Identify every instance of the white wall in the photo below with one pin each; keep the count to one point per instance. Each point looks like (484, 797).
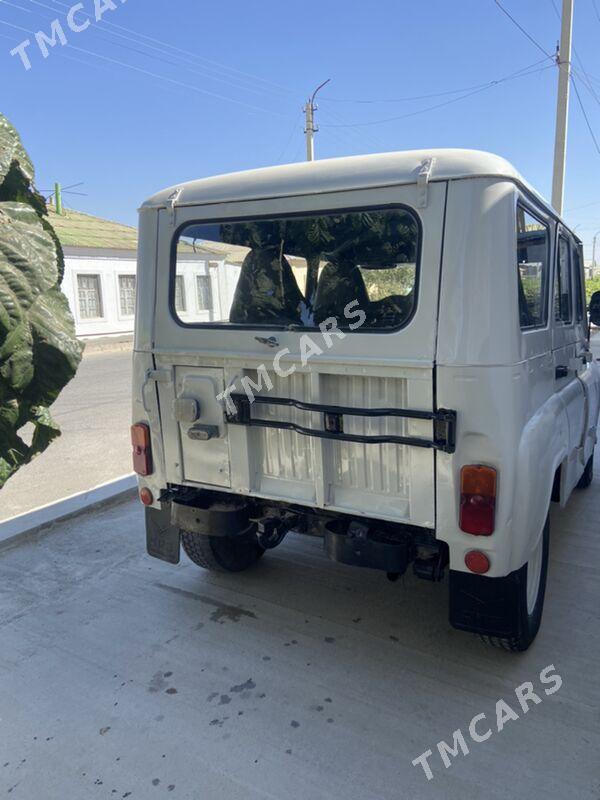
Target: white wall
(113, 322)
(108, 268)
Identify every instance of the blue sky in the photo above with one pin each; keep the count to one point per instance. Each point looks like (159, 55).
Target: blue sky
(216, 87)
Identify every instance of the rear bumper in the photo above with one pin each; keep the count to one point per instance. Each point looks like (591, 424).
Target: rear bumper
(375, 544)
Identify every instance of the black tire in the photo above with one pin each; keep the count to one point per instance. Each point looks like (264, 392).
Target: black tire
(588, 474)
(222, 553)
(526, 624)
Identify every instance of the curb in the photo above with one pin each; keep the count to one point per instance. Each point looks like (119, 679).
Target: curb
(31, 522)
(107, 344)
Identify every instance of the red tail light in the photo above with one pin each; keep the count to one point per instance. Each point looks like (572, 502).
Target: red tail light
(477, 500)
(142, 451)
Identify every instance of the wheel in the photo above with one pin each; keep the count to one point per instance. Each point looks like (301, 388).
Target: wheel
(588, 474)
(528, 587)
(222, 553)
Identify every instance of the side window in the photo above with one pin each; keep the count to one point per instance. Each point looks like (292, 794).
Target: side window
(533, 266)
(578, 283)
(562, 282)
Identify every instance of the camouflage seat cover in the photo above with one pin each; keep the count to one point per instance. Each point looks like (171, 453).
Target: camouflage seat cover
(266, 292)
(339, 284)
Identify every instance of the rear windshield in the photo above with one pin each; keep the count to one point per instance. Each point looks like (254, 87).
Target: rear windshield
(296, 271)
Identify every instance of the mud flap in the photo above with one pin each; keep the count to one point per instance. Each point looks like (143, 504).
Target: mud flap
(162, 538)
(488, 606)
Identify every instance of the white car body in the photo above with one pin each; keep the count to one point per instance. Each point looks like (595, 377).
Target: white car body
(463, 349)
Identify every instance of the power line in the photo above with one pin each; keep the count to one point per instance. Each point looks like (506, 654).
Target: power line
(288, 140)
(584, 112)
(585, 77)
(586, 205)
(188, 53)
(522, 29)
(520, 74)
(173, 81)
(426, 96)
(348, 136)
(180, 61)
(8, 3)
(587, 84)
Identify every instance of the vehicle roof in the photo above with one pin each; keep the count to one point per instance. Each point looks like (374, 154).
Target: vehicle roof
(339, 174)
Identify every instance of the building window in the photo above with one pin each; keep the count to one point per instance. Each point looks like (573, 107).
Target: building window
(89, 296)
(179, 293)
(533, 268)
(204, 292)
(127, 295)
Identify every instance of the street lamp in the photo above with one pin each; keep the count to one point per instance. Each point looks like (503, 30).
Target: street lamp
(594, 253)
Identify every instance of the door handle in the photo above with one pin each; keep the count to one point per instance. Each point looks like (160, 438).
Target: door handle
(561, 372)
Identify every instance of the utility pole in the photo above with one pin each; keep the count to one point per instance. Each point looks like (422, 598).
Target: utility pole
(310, 128)
(594, 253)
(58, 198)
(563, 59)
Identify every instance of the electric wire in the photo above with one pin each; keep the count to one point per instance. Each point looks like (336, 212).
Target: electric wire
(585, 115)
(512, 76)
(216, 64)
(289, 139)
(429, 96)
(180, 62)
(522, 29)
(585, 78)
(158, 76)
(8, 3)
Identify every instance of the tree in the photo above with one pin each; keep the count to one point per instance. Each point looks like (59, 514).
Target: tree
(39, 353)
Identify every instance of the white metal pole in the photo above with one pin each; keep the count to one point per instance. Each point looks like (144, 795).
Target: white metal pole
(562, 107)
(309, 130)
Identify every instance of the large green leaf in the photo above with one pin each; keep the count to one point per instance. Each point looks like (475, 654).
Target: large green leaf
(12, 151)
(39, 353)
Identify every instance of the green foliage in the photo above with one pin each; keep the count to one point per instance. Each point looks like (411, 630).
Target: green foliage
(382, 283)
(591, 285)
(39, 353)
(360, 237)
(375, 240)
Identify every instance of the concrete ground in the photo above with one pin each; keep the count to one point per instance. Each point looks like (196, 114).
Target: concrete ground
(94, 412)
(122, 676)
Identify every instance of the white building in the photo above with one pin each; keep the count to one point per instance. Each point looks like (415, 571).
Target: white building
(100, 274)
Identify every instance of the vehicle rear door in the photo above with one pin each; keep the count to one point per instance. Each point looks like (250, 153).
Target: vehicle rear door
(352, 428)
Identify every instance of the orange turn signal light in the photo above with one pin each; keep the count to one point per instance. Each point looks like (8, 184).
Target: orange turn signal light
(477, 499)
(141, 448)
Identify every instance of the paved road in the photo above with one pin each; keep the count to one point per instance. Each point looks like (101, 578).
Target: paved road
(121, 676)
(94, 413)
